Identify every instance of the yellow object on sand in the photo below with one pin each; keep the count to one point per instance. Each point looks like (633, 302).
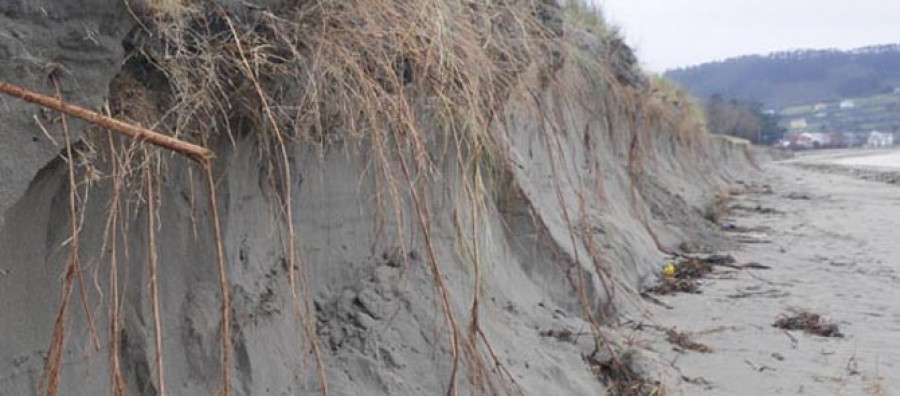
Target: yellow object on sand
(669, 270)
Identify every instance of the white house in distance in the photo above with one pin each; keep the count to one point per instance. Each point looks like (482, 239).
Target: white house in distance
(847, 104)
(799, 123)
(880, 139)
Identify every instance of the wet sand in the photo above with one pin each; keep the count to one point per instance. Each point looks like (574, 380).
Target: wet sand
(889, 160)
(834, 249)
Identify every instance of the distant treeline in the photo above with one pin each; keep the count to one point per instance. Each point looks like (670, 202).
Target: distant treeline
(792, 78)
(742, 119)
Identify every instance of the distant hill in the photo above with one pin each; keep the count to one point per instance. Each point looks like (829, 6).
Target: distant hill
(785, 79)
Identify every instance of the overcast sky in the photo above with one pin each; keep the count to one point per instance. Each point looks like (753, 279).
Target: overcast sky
(672, 33)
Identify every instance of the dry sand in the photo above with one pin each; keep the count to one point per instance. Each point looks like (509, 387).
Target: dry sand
(833, 250)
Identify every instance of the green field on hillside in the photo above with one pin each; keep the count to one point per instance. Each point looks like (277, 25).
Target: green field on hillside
(867, 114)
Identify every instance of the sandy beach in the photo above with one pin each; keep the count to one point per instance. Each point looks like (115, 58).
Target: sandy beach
(831, 242)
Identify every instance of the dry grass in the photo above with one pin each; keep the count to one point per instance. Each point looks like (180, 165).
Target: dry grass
(399, 79)
(169, 9)
(589, 16)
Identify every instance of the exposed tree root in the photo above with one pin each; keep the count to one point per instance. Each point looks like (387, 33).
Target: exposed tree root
(116, 380)
(292, 257)
(223, 280)
(53, 362)
(135, 132)
(154, 283)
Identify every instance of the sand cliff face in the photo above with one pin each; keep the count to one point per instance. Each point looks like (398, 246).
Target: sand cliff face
(575, 225)
(79, 40)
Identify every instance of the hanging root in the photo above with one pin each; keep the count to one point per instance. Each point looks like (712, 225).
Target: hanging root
(52, 365)
(370, 74)
(154, 281)
(223, 280)
(116, 380)
(53, 362)
(286, 183)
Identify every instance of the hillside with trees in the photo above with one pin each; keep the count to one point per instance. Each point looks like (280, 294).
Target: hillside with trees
(742, 119)
(785, 79)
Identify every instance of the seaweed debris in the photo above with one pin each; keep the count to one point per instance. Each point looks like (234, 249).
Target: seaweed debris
(810, 323)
